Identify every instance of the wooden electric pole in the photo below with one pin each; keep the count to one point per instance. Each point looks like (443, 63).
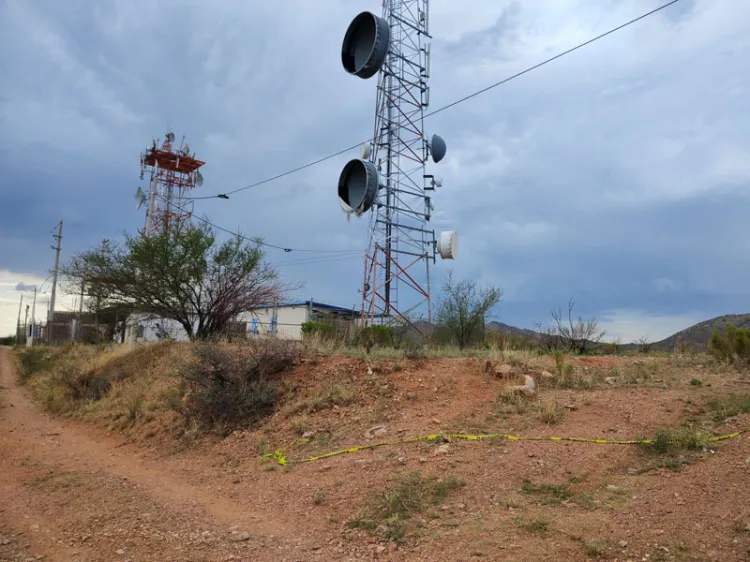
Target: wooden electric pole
(51, 312)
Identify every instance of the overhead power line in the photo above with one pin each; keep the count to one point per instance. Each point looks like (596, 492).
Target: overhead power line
(450, 105)
(259, 241)
(274, 246)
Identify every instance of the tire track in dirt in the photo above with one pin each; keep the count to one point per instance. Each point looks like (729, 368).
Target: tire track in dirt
(32, 444)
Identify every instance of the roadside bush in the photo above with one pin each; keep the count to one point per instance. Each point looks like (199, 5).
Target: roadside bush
(33, 360)
(83, 383)
(227, 387)
(8, 340)
(733, 347)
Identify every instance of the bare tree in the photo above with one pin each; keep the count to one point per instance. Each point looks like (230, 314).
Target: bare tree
(579, 335)
(549, 340)
(644, 346)
(464, 308)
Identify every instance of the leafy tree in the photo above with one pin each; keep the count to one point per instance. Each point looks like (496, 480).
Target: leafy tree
(184, 275)
(463, 309)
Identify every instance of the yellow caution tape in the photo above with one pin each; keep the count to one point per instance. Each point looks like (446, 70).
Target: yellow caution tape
(279, 455)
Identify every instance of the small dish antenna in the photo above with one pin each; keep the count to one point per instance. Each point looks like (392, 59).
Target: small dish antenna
(365, 45)
(198, 178)
(140, 198)
(447, 244)
(365, 150)
(170, 137)
(437, 148)
(358, 185)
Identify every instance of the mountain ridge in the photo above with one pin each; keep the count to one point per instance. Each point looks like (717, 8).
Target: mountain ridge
(696, 336)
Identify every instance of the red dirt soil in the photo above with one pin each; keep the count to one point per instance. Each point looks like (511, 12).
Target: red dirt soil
(74, 492)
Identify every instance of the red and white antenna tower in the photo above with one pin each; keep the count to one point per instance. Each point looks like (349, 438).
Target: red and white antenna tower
(173, 173)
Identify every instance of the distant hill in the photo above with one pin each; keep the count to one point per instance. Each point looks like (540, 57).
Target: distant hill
(511, 331)
(698, 335)
(506, 330)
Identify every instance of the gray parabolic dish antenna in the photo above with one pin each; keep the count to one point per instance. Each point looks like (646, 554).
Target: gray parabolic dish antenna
(140, 198)
(198, 179)
(437, 148)
(365, 45)
(358, 185)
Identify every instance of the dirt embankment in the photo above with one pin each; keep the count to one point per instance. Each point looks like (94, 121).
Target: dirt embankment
(73, 490)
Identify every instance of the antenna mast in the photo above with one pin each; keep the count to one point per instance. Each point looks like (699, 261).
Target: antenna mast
(391, 176)
(173, 174)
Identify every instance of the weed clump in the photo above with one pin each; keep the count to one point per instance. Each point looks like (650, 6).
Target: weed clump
(729, 406)
(227, 388)
(670, 440)
(552, 494)
(413, 493)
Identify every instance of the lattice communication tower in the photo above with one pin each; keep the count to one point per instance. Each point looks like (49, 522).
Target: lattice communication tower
(173, 174)
(390, 179)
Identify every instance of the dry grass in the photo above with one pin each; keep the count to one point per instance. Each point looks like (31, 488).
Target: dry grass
(118, 386)
(333, 393)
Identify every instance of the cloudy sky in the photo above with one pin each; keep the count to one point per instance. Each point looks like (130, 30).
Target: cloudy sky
(618, 174)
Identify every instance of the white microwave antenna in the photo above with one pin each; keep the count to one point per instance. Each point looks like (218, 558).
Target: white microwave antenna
(390, 180)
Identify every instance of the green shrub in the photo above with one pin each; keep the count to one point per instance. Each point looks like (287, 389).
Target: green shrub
(33, 360)
(8, 340)
(733, 347)
(383, 336)
(319, 329)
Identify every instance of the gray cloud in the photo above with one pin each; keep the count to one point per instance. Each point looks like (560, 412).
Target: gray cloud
(617, 174)
(24, 287)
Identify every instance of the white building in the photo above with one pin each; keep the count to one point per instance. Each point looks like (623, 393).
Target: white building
(147, 327)
(283, 320)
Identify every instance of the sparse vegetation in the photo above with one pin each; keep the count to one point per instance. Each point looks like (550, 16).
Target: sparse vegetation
(551, 412)
(392, 509)
(535, 526)
(330, 395)
(729, 406)
(551, 494)
(595, 548)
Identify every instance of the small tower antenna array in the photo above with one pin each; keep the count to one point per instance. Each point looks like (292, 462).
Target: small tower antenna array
(173, 174)
(390, 179)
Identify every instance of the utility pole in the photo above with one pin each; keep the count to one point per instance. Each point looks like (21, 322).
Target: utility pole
(18, 322)
(26, 326)
(51, 313)
(30, 341)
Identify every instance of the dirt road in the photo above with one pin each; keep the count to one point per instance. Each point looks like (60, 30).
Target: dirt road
(74, 493)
